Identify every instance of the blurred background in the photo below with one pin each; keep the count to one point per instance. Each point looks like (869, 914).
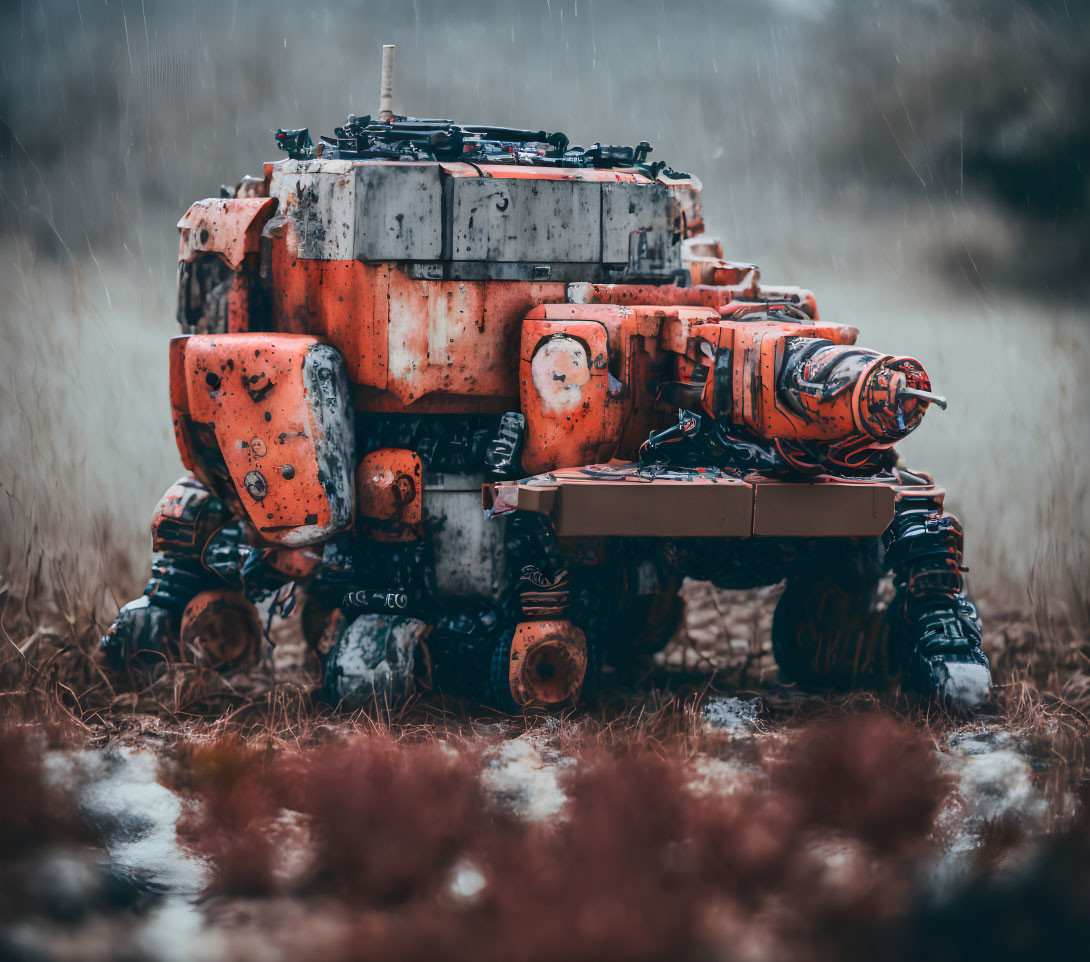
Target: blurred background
(920, 164)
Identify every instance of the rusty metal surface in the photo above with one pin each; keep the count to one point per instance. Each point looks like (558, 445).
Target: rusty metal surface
(389, 485)
(571, 415)
(470, 556)
(278, 407)
(648, 294)
(548, 662)
(517, 172)
(413, 340)
(526, 220)
(230, 228)
(453, 337)
(365, 210)
(633, 207)
(433, 287)
(220, 629)
(484, 214)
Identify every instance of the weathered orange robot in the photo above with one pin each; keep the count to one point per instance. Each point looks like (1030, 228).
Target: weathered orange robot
(412, 312)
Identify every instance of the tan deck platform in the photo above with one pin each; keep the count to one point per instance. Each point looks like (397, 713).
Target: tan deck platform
(617, 500)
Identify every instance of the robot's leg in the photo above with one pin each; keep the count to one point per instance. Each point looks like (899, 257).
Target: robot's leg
(479, 647)
(189, 607)
(541, 663)
(542, 657)
(827, 631)
(142, 634)
(372, 659)
(365, 615)
(931, 617)
(473, 646)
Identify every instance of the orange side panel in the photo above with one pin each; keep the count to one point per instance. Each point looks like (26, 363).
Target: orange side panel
(250, 388)
(390, 486)
(615, 412)
(411, 338)
(179, 402)
(634, 294)
(346, 301)
(564, 389)
(758, 352)
(230, 228)
(457, 337)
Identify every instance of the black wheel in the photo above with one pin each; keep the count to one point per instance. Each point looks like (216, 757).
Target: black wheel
(142, 635)
(628, 607)
(827, 631)
(499, 686)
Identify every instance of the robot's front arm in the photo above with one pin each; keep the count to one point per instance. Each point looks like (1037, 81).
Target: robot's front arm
(795, 383)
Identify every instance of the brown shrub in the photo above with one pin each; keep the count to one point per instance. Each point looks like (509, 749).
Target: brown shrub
(33, 813)
(389, 820)
(232, 805)
(867, 776)
(813, 858)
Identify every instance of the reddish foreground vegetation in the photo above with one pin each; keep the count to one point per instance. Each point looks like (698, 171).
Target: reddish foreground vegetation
(373, 846)
(374, 836)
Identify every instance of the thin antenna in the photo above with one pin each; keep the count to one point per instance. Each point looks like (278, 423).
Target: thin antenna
(386, 91)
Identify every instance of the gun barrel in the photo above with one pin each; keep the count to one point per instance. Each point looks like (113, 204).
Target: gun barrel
(928, 396)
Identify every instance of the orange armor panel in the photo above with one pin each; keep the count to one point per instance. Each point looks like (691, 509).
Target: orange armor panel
(390, 489)
(279, 408)
(572, 416)
(413, 339)
(230, 228)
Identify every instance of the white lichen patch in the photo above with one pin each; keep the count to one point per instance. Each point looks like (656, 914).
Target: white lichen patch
(121, 796)
(734, 716)
(466, 881)
(122, 799)
(994, 779)
(721, 776)
(521, 776)
(993, 784)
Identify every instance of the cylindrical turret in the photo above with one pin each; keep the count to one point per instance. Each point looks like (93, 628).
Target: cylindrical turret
(794, 384)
